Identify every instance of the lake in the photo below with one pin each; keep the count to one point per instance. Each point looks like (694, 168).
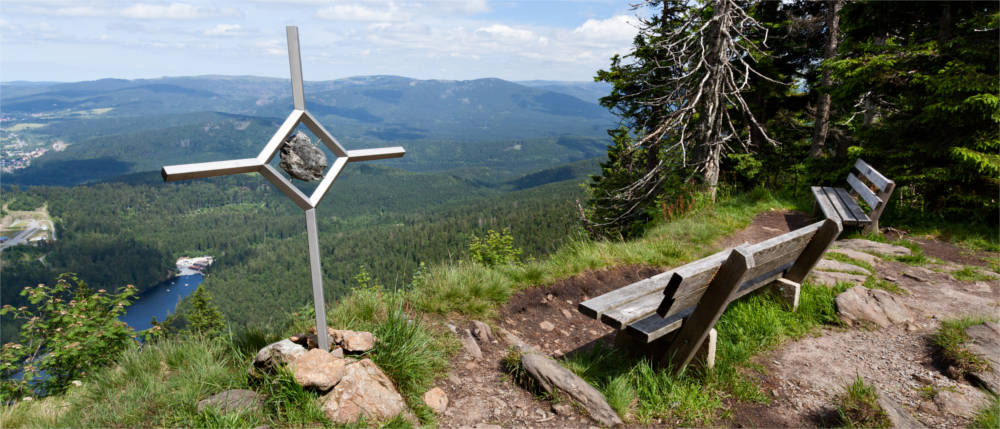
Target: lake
(160, 301)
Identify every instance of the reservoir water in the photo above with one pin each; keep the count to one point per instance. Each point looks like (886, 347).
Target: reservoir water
(160, 301)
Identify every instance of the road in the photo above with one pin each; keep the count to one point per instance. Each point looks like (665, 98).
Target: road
(20, 238)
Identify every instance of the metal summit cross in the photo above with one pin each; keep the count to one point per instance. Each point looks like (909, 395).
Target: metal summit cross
(261, 164)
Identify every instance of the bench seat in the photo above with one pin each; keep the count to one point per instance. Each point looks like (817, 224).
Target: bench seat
(836, 203)
(645, 312)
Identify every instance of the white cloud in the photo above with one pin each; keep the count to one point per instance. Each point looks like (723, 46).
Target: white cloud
(171, 11)
(507, 33)
(354, 12)
(615, 29)
(223, 30)
(468, 6)
(80, 11)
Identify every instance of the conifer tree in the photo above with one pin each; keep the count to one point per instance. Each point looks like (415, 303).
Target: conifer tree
(204, 317)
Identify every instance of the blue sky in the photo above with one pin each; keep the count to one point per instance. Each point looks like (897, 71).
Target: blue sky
(64, 40)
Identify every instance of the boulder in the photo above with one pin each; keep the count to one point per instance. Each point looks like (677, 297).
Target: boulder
(236, 400)
(857, 255)
(301, 159)
(436, 399)
(470, 346)
(859, 304)
(318, 369)
(830, 279)
(352, 341)
(363, 391)
(956, 404)
(834, 265)
(281, 352)
(898, 416)
(862, 245)
(984, 341)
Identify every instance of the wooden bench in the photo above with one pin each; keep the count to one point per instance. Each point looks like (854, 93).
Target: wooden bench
(839, 204)
(668, 316)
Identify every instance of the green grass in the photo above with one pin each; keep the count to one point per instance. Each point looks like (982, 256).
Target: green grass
(858, 407)
(950, 340)
(971, 274)
(988, 417)
(475, 291)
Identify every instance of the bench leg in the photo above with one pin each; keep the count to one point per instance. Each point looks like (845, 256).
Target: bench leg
(707, 352)
(789, 292)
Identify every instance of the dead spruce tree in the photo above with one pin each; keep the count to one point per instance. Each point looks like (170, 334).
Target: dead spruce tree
(679, 94)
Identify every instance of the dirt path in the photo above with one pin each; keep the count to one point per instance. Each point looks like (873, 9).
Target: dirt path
(802, 377)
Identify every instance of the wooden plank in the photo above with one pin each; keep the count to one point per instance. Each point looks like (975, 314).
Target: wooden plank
(597, 306)
(853, 206)
(824, 204)
(762, 279)
(694, 330)
(620, 316)
(690, 279)
(881, 182)
(863, 191)
(778, 247)
(654, 327)
(813, 251)
(845, 215)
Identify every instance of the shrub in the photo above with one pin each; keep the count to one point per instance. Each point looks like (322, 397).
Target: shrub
(68, 330)
(496, 248)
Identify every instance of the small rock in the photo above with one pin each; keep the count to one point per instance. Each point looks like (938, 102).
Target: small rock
(915, 277)
(318, 369)
(436, 399)
(365, 391)
(857, 255)
(337, 352)
(928, 407)
(833, 265)
(452, 328)
(955, 404)
(278, 353)
(567, 314)
(232, 401)
(352, 341)
(546, 326)
(562, 409)
(482, 331)
(301, 159)
(862, 245)
(470, 346)
(830, 279)
(984, 341)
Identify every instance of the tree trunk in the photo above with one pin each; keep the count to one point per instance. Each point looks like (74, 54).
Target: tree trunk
(821, 128)
(713, 113)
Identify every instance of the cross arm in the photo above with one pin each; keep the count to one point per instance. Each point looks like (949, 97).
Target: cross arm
(371, 154)
(201, 170)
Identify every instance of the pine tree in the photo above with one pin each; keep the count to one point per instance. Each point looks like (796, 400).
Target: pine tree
(204, 317)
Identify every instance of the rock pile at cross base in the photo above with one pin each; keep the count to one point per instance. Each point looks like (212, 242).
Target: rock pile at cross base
(352, 388)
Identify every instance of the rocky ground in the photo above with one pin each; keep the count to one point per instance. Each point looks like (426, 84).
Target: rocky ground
(891, 350)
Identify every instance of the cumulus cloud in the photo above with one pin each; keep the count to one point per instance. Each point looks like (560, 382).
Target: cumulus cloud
(507, 33)
(171, 11)
(223, 30)
(615, 29)
(355, 12)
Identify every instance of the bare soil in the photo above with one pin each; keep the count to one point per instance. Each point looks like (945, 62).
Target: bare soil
(802, 377)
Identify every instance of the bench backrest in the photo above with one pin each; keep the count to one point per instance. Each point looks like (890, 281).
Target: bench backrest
(877, 197)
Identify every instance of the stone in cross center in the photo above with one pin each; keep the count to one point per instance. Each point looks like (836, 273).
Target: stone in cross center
(261, 164)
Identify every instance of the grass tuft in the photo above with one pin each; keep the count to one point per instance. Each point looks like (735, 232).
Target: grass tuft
(950, 341)
(971, 274)
(988, 417)
(858, 407)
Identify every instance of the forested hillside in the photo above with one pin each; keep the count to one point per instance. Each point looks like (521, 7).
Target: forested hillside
(390, 221)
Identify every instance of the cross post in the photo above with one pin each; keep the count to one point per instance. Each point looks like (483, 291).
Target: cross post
(261, 164)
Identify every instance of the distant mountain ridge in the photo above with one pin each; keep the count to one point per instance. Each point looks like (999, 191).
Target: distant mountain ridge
(118, 126)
